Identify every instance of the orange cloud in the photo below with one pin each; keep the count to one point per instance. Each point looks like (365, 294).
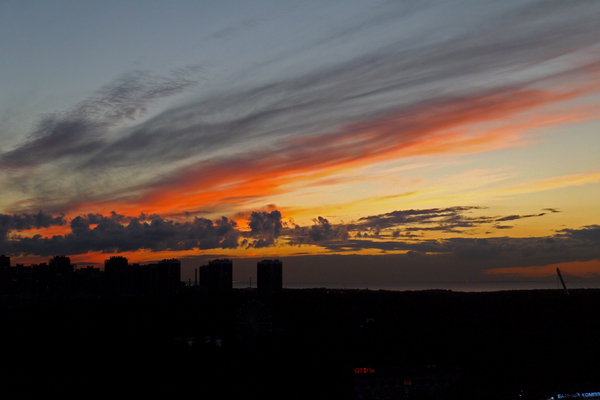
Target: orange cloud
(427, 130)
(55, 230)
(552, 183)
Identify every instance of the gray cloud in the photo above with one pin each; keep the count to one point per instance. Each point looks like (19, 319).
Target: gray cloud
(552, 210)
(589, 233)
(577, 245)
(408, 222)
(232, 31)
(443, 218)
(515, 217)
(109, 235)
(82, 130)
(265, 228)
(566, 245)
(320, 232)
(19, 222)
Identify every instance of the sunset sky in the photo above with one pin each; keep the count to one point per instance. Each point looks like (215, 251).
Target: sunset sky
(358, 141)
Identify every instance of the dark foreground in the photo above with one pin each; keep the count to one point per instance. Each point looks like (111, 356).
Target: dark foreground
(304, 344)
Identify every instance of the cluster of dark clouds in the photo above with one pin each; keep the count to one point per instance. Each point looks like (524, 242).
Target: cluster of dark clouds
(117, 233)
(401, 231)
(413, 223)
(20, 222)
(265, 228)
(322, 231)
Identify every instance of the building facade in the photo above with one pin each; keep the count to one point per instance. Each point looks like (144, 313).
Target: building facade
(217, 275)
(269, 274)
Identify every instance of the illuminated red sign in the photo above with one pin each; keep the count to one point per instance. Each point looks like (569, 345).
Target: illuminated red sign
(363, 370)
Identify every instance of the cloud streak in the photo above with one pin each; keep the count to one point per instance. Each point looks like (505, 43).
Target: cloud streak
(422, 130)
(404, 97)
(82, 130)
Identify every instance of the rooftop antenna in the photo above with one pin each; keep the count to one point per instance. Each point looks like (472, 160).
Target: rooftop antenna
(562, 281)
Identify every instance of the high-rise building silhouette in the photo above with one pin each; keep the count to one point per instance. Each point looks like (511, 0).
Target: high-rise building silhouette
(115, 265)
(60, 275)
(269, 275)
(61, 263)
(5, 273)
(123, 278)
(217, 275)
(118, 275)
(88, 281)
(169, 276)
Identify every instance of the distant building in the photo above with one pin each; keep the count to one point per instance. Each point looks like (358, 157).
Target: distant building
(143, 278)
(269, 276)
(217, 275)
(61, 264)
(118, 275)
(168, 276)
(88, 272)
(115, 265)
(5, 274)
(135, 279)
(88, 281)
(60, 275)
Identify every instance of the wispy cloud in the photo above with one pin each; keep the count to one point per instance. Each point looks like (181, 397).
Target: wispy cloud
(428, 129)
(416, 94)
(83, 129)
(551, 183)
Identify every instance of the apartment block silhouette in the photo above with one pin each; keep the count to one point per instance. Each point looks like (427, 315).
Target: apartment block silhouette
(269, 276)
(217, 275)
